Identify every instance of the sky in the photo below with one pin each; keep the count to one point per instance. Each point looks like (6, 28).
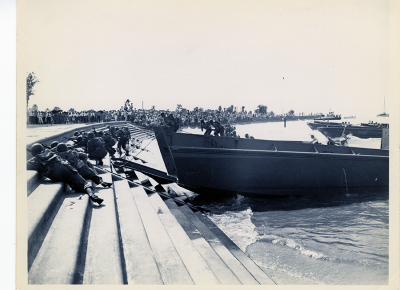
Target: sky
(306, 56)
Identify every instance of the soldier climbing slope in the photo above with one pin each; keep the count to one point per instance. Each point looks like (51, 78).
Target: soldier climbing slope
(96, 149)
(59, 170)
(109, 142)
(123, 141)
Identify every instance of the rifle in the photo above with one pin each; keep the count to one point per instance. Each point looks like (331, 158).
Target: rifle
(76, 142)
(45, 146)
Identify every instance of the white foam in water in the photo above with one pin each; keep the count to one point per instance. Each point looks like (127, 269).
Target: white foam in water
(238, 227)
(291, 244)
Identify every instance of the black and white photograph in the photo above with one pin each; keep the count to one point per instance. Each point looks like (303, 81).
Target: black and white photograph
(208, 143)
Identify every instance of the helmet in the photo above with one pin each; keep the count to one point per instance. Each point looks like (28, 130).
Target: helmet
(91, 135)
(62, 147)
(76, 133)
(37, 148)
(54, 144)
(79, 139)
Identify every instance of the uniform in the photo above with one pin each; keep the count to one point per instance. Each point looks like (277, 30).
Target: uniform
(109, 142)
(219, 129)
(59, 170)
(51, 166)
(207, 126)
(95, 148)
(124, 136)
(79, 162)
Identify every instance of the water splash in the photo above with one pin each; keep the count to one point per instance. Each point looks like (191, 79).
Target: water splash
(291, 244)
(238, 227)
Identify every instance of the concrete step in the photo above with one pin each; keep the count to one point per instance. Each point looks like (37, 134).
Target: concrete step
(138, 134)
(218, 267)
(257, 273)
(41, 203)
(58, 259)
(33, 180)
(103, 263)
(170, 265)
(194, 262)
(236, 267)
(141, 267)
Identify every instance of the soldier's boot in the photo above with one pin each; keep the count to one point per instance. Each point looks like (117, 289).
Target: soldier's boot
(104, 183)
(93, 197)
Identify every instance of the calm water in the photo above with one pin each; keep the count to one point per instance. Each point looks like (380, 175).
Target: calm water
(338, 239)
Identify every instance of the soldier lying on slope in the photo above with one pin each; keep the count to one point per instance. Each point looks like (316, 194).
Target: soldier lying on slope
(58, 170)
(79, 162)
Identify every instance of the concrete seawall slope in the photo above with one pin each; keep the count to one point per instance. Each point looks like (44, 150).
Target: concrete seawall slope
(134, 237)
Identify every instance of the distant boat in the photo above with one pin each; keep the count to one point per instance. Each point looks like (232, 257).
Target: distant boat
(330, 116)
(349, 117)
(384, 110)
(363, 132)
(325, 123)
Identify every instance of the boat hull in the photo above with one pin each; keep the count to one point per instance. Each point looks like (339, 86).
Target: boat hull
(360, 132)
(327, 118)
(317, 124)
(224, 164)
(277, 173)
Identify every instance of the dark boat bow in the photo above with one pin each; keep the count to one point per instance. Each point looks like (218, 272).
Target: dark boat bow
(269, 167)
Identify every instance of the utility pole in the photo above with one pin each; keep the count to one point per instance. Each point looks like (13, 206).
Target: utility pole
(142, 105)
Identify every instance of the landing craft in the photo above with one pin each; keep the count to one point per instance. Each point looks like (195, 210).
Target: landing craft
(268, 167)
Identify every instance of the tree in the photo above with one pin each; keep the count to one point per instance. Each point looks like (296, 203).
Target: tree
(230, 109)
(291, 112)
(219, 108)
(262, 109)
(56, 110)
(178, 107)
(243, 108)
(31, 80)
(271, 113)
(153, 107)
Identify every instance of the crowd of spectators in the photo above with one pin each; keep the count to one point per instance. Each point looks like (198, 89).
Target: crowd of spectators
(152, 117)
